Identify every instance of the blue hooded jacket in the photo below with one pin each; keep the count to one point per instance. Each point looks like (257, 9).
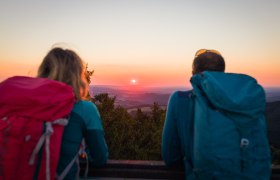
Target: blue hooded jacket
(240, 99)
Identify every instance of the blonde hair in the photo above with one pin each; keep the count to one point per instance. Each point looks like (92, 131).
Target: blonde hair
(65, 66)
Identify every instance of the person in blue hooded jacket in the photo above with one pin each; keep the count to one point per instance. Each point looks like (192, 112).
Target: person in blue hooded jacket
(237, 104)
(178, 127)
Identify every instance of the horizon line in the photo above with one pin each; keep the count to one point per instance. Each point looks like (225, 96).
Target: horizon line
(163, 86)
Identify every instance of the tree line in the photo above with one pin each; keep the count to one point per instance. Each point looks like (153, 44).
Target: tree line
(135, 137)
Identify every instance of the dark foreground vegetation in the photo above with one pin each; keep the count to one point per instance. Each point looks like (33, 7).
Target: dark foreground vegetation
(134, 137)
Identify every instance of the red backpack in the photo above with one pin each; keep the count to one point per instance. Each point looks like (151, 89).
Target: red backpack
(33, 113)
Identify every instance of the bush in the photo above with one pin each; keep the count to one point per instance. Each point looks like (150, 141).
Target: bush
(275, 156)
(135, 137)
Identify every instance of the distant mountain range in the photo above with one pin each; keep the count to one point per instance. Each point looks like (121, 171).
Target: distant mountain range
(272, 94)
(145, 98)
(132, 99)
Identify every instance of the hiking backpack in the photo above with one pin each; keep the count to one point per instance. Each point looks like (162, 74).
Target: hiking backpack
(33, 113)
(230, 140)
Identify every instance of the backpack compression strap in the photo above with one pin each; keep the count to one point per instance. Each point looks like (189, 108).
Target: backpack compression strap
(81, 152)
(46, 138)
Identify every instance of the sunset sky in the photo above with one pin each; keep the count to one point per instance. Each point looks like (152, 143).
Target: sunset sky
(149, 41)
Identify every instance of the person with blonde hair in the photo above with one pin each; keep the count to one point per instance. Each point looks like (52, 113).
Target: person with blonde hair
(84, 122)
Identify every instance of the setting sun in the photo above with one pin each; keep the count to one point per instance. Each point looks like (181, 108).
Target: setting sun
(133, 81)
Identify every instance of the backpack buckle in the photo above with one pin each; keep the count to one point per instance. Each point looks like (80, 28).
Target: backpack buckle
(244, 142)
(5, 118)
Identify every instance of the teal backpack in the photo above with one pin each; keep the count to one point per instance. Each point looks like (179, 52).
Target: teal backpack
(230, 138)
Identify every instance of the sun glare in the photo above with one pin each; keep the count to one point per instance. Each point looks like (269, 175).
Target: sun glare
(133, 81)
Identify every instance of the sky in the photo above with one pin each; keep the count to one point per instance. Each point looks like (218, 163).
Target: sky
(142, 42)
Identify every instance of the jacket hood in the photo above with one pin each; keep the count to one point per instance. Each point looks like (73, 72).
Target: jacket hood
(232, 93)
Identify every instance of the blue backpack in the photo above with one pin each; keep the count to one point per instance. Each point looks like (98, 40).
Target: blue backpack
(230, 138)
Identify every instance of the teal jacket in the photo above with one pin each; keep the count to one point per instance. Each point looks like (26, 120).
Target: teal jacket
(84, 123)
(178, 131)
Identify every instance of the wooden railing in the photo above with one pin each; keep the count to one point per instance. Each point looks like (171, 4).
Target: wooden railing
(124, 169)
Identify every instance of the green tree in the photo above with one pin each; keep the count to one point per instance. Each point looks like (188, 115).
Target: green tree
(157, 120)
(275, 156)
(117, 123)
(130, 137)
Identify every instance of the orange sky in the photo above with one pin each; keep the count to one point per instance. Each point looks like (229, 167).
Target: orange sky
(152, 74)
